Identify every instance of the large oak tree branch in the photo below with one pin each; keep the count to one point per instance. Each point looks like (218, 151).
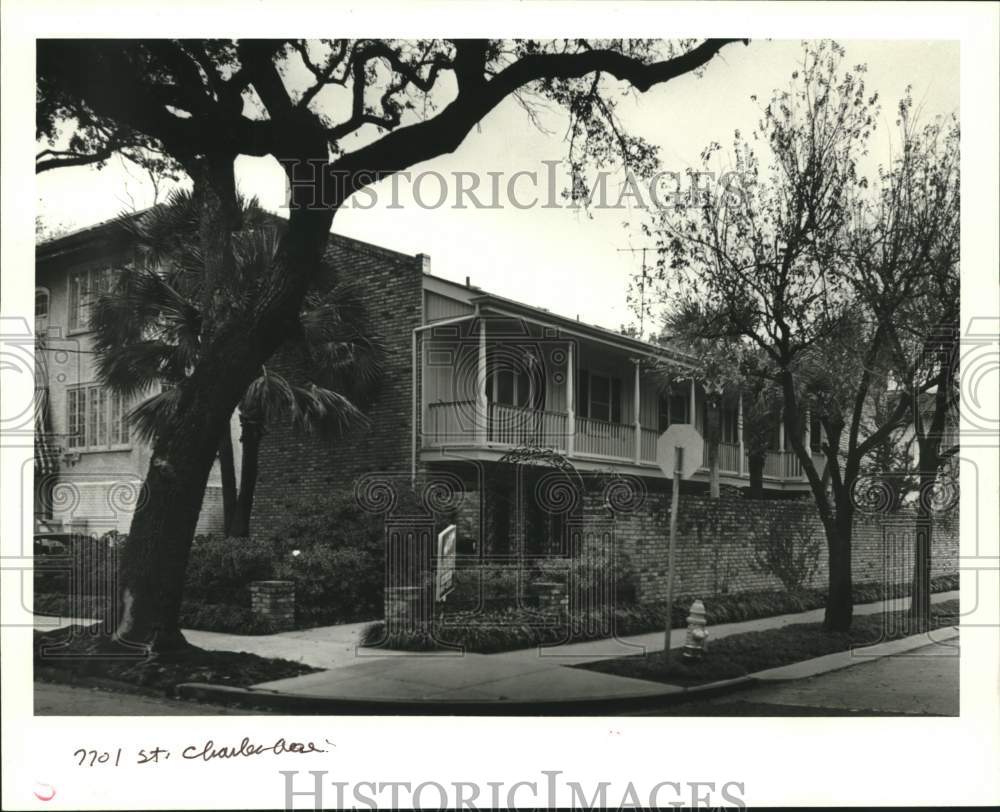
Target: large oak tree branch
(445, 132)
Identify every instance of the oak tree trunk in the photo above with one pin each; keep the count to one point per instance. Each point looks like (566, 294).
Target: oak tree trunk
(154, 560)
(840, 601)
(920, 597)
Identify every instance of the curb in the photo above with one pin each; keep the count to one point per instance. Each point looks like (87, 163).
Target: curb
(592, 706)
(62, 676)
(583, 706)
(844, 659)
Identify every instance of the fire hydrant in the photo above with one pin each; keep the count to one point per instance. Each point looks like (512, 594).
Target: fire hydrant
(696, 643)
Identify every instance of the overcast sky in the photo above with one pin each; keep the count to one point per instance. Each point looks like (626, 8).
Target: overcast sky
(559, 259)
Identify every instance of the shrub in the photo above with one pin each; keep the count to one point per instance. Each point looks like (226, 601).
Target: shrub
(227, 618)
(586, 578)
(58, 604)
(339, 568)
(220, 569)
(508, 586)
(513, 628)
(786, 547)
(334, 585)
(492, 586)
(330, 549)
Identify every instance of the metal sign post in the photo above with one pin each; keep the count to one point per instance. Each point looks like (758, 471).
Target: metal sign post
(671, 550)
(679, 453)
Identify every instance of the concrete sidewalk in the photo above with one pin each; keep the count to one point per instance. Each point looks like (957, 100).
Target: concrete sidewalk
(538, 675)
(592, 650)
(464, 678)
(338, 647)
(323, 647)
(356, 679)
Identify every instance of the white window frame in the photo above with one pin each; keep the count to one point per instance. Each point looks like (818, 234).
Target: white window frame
(82, 285)
(96, 419)
(42, 319)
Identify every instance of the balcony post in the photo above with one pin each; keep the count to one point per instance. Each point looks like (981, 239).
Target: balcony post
(570, 398)
(425, 426)
(638, 426)
(693, 410)
(481, 412)
(739, 432)
(809, 448)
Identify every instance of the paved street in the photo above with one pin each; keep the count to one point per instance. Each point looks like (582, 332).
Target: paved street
(924, 681)
(67, 700)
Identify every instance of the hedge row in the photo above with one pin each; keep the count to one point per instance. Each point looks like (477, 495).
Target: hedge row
(515, 628)
(332, 550)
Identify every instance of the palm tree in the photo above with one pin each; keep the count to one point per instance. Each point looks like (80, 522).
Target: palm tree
(149, 331)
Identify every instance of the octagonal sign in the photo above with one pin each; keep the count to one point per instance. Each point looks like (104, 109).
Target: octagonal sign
(687, 437)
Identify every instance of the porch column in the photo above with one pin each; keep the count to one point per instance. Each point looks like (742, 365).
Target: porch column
(693, 410)
(781, 433)
(739, 432)
(808, 439)
(481, 412)
(638, 425)
(570, 398)
(424, 416)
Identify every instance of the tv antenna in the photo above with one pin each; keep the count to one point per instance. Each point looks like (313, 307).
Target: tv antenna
(642, 283)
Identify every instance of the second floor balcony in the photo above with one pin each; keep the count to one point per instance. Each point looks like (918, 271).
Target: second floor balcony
(490, 386)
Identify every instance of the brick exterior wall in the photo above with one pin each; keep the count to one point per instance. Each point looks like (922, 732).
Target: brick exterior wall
(721, 544)
(295, 465)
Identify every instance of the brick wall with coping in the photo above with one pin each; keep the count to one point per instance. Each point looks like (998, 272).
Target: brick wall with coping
(720, 542)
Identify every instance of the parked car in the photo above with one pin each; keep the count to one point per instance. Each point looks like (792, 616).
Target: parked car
(54, 543)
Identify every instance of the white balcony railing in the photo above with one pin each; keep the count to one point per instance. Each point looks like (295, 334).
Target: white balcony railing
(650, 437)
(516, 426)
(597, 438)
(729, 458)
(456, 423)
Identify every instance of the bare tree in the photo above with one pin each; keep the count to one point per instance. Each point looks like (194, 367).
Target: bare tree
(901, 256)
(760, 258)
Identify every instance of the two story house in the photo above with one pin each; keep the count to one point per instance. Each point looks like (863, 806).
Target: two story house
(474, 382)
(470, 381)
(89, 467)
